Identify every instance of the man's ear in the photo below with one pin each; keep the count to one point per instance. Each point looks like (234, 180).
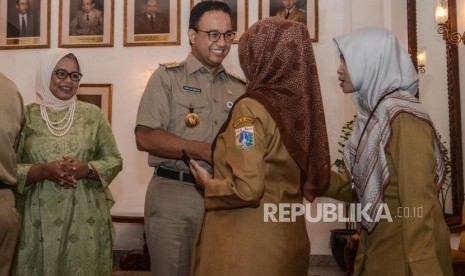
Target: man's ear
(192, 35)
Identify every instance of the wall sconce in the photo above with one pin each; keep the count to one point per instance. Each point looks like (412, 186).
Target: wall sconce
(441, 15)
(421, 59)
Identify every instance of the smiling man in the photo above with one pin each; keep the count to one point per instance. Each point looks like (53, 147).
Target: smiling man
(183, 107)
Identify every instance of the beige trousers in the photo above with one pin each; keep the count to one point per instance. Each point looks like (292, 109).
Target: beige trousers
(9, 230)
(173, 213)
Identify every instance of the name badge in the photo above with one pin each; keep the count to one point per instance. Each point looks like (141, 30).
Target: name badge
(191, 89)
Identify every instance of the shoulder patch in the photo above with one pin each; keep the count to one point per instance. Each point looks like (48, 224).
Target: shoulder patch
(243, 120)
(245, 137)
(171, 64)
(236, 77)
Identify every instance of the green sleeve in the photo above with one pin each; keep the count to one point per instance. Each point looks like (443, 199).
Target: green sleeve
(22, 164)
(107, 160)
(22, 169)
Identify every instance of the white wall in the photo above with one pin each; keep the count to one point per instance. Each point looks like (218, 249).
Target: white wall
(128, 69)
(433, 82)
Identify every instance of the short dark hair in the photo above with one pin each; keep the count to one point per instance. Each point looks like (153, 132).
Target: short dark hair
(17, 2)
(203, 7)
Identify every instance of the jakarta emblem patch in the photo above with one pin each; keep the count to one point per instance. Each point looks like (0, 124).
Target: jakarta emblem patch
(244, 137)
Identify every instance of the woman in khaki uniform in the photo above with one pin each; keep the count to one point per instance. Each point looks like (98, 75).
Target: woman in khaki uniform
(272, 150)
(394, 158)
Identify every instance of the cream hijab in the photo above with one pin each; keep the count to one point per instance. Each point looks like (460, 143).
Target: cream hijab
(378, 65)
(44, 96)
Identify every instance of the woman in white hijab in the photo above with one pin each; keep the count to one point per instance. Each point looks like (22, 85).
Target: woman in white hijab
(393, 161)
(67, 157)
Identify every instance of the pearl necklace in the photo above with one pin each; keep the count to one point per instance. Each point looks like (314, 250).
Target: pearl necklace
(54, 127)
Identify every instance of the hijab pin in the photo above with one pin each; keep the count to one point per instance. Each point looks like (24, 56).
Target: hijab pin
(229, 92)
(229, 104)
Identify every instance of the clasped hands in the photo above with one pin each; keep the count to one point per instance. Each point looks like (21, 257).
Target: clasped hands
(66, 172)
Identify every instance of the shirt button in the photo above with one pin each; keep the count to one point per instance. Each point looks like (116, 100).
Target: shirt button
(215, 101)
(216, 122)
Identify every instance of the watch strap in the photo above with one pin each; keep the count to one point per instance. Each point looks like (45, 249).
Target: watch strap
(91, 172)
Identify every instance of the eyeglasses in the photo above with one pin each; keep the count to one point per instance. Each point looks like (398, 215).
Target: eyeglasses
(214, 36)
(63, 74)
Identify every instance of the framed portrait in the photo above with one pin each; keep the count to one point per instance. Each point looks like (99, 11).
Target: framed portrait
(86, 23)
(98, 94)
(151, 22)
(24, 24)
(239, 15)
(298, 10)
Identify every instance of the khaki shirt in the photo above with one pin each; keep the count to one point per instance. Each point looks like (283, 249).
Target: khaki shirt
(11, 114)
(176, 89)
(87, 23)
(252, 168)
(415, 242)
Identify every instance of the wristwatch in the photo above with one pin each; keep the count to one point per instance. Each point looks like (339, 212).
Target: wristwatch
(91, 172)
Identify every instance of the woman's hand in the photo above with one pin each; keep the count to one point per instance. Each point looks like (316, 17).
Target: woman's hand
(75, 167)
(55, 171)
(65, 172)
(200, 174)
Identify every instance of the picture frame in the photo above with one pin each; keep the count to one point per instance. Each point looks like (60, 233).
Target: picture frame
(82, 24)
(140, 29)
(36, 34)
(308, 10)
(98, 94)
(239, 15)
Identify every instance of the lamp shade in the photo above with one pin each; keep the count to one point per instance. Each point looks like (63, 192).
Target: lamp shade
(421, 57)
(441, 14)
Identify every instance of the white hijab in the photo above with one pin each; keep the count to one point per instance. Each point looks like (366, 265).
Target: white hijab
(378, 64)
(44, 96)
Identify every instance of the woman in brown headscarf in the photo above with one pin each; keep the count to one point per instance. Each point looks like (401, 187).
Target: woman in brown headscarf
(272, 150)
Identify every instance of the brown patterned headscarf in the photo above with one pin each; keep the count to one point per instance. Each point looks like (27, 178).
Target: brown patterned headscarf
(277, 58)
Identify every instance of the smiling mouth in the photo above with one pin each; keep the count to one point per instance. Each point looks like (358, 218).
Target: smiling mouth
(66, 89)
(218, 52)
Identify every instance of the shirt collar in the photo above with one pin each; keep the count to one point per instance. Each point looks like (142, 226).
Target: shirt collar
(193, 65)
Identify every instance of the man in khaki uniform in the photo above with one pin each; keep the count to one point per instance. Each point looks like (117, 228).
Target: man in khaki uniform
(183, 107)
(88, 20)
(11, 112)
